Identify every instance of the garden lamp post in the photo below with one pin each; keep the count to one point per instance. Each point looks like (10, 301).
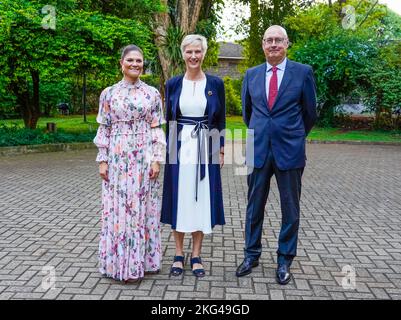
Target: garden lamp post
(84, 96)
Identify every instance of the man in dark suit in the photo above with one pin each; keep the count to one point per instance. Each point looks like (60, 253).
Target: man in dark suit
(279, 109)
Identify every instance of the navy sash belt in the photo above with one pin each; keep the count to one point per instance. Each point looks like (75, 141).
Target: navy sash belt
(199, 132)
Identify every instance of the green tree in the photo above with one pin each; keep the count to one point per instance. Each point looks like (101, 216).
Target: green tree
(233, 98)
(380, 81)
(339, 53)
(182, 17)
(264, 13)
(34, 49)
(72, 38)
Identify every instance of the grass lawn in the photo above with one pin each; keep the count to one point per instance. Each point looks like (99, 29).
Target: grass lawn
(235, 124)
(71, 124)
(235, 127)
(335, 134)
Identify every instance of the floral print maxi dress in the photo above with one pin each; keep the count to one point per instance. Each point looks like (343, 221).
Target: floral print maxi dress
(129, 138)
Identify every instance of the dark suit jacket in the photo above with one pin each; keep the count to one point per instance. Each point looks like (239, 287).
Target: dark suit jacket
(284, 129)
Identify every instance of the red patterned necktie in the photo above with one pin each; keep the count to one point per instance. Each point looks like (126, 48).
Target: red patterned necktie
(273, 88)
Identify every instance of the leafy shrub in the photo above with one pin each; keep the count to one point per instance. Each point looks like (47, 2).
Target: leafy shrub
(52, 93)
(8, 108)
(237, 85)
(15, 135)
(152, 80)
(233, 98)
(346, 60)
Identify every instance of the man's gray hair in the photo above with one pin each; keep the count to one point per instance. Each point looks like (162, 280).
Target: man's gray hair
(192, 38)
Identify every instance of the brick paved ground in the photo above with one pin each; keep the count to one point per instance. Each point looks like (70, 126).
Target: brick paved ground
(351, 215)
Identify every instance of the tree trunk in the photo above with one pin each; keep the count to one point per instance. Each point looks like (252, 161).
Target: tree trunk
(378, 110)
(326, 114)
(195, 7)
(30, 110)
(20, 89)
(341, 3)
(22, 95)
(35, 106)
(162, 22)
(188, 13)
(276, 12)
(183, 15)
(255, 46)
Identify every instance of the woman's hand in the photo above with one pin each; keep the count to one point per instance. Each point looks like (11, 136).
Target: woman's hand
(221, 159)
(154, 170)
(103, 171)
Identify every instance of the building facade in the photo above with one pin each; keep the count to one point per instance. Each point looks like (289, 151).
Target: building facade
(229, 58)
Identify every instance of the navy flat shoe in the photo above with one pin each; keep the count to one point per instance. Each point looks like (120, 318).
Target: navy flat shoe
(176, 271)
(199, 273)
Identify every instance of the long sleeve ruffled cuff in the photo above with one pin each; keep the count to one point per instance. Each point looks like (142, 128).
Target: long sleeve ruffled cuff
(102, 142)
(102, 139)
(158, 144)
(102, 155)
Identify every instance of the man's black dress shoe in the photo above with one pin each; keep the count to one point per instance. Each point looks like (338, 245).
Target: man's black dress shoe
(283, 274)
(246, 267)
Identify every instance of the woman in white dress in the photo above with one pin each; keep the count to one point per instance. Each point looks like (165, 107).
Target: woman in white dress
(192, 193)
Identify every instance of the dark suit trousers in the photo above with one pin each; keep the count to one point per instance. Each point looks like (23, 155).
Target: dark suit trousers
(289, 185)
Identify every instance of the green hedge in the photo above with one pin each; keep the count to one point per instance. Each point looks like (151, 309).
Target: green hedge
(233, 97)
(15, 135)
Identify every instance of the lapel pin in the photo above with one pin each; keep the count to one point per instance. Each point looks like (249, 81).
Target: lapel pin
(209, 93)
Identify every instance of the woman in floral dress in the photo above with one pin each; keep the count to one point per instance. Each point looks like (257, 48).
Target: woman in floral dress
(131, 144)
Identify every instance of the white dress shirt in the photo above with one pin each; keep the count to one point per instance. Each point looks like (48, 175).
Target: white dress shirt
(280, 74)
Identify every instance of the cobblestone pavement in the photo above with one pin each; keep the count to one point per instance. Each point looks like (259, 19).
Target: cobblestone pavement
(351, 216)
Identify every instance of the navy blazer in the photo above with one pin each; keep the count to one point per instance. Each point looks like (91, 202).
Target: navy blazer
(216, 111)
(285, 127)
(215, 96)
